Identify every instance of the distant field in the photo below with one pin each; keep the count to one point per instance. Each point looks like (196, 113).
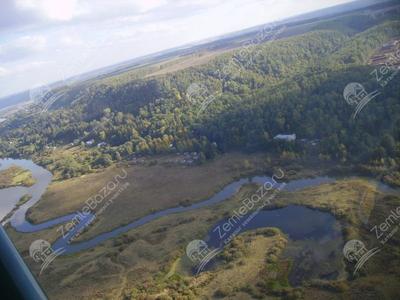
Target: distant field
(185, 62)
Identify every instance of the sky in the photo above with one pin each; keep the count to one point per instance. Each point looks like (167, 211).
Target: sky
(43, 41)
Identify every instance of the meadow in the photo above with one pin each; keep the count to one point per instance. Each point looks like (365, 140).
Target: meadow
(149, 262)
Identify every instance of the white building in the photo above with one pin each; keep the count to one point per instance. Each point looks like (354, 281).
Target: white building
(285, 137)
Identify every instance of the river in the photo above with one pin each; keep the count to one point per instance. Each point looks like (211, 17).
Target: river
(9, 198)
(316, 236)
(317, 231)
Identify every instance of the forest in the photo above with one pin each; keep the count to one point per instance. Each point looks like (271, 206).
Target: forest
(238, 101)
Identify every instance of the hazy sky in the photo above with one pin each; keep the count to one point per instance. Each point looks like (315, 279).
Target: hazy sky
(43, 41)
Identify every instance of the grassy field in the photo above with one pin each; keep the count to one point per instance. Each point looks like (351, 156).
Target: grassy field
(140, 261)
(165, 184)
(15, 176)
(243, 263)
(149, 262)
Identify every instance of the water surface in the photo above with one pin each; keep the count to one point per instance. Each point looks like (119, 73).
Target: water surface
(315, 239)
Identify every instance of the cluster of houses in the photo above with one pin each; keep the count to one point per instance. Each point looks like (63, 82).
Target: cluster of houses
(186, 158)
(91, 143)
(49, 147)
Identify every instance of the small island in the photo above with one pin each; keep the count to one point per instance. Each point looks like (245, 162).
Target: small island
(16, 176)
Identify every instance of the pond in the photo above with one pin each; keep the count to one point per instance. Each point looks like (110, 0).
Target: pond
(315, 239)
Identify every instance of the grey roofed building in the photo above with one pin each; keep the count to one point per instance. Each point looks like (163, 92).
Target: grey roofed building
(285, 137)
